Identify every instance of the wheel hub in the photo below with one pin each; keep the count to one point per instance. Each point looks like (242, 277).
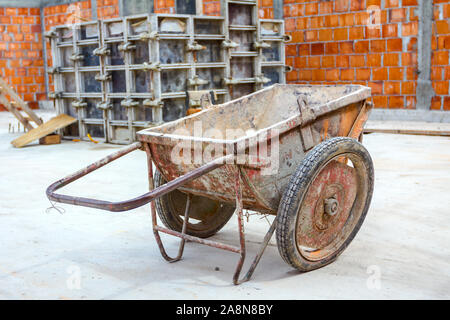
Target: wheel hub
(327, 205)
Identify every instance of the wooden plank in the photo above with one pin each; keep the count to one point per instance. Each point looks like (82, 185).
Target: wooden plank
(48, 127)
(15, 112)
(4, 87)
(408, 127)
(50, 139)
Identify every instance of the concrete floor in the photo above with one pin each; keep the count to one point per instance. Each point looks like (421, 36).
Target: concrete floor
(401, 251)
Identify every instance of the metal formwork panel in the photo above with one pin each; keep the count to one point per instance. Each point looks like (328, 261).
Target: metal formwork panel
(121, 75)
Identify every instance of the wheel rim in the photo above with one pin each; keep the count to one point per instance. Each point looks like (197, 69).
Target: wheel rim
(331, 206)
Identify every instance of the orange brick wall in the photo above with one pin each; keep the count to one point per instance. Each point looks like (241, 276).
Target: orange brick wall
(21, 63)
(333, 43)
(440, 69)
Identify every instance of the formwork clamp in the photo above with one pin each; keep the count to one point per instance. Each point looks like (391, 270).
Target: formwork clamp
(102, 51)
(129, 103)
(79, 104)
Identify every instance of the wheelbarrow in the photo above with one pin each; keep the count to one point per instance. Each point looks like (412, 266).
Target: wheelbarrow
(288, 150)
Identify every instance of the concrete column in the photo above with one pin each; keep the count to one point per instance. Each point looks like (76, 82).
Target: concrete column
(424, 90)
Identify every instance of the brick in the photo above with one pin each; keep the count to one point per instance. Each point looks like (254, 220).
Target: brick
(325, 35)
(446, 105)
(342, 61)
(340, 34)
(373, 32)
(356, 33)
(390, 31)
(341, 5)
(332, 48)
(346, 20)
(317, 49)
(411, 73)
(378, 45)
(314, 62)
(442, 27)
(380, 101)
(391, 4)
(357, 61)
(440, 87)
(410, 29)
(328, 62)
(363, 74)
(357, 5)
(332, 75)
(396, 102)
(380, 74)
(436, 73)
(436, 103)
(409, 59)
(410, 3)
(391, 87)
(440, 58)
(410, 102)
(391, 59)
(397, 15)
(316, 22)
(318, 75)
(394, 44)
(311, 9)
(300, 62)
(374, 60)
(291, 50)
(305, 75)
(408, 87)
(311, 35)
(362, 46)
(325, 7)
(331, 21)
(347, 74)
(377, 87)
(346, 47)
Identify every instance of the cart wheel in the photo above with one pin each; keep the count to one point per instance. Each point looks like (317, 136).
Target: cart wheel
(325, 203)
(206, 216)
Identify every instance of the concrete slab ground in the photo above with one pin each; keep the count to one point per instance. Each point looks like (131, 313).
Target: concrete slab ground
(401, 251)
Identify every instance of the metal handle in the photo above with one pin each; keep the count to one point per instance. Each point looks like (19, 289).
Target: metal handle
(132, 203)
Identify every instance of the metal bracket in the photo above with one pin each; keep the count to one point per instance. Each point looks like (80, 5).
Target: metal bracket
(104, 105)
(261, 79)
(228, 81)
(229, 44)
(194, 46)
(153, 66)
(261, 45)
(50, 34)
(287, 38)
(145, 36)
(102, 51)
(128, 46)
(54, 70)
(103, 77)
(76, 57)
(129, 103)
(196, 81)
(55, 95)
(155, 103)
(79, 104)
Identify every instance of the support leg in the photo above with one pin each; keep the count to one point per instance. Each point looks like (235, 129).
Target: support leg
(154, 220)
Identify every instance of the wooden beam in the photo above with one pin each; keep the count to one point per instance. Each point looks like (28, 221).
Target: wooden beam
(5, 88)
(15, 112)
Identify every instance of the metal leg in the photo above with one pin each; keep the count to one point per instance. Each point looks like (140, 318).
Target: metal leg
(154, 220)
(268, 236)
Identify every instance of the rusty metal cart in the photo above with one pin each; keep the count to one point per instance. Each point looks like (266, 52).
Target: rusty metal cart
(294, 154)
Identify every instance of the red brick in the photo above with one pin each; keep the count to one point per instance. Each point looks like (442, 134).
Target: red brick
(391, 59)
(341, 5)
(391, 87)
(436, 73)
(361, 46)
(397, 15)
(332, 75)
(357, 61)
(328, 62)
(396, 102)
(390, 31)
(342, 61)
(440, 58)
(346, 47)
(340, 34)
(356, 33)
(378, 45)
(347, 74)
(410, 29)
(436, 103)
(374, 60)
(317, 48)
(379, 101)
(377, 87)
(440, 87)
(362, 74)
(380, 74)
(394, 44)
(408, 87)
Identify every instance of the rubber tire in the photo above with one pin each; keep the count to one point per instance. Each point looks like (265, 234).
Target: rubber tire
(171, 220)
(297, 189)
